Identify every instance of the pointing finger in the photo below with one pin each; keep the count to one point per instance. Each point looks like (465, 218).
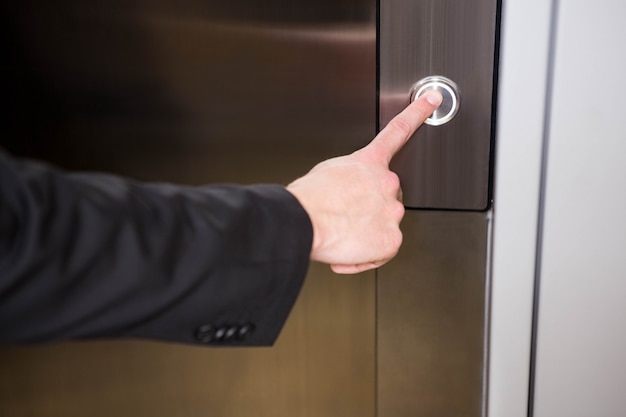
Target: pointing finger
(400, 129)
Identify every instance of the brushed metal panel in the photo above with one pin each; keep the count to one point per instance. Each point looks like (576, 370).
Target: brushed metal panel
(322, 365)
(101, 85)
(431, 320)
(445, 166)
(197, 92)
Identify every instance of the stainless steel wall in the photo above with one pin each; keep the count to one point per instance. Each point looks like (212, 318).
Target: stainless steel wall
(432, 318)
(200, 92)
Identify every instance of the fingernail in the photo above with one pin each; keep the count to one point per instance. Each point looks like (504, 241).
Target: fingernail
(434, 97)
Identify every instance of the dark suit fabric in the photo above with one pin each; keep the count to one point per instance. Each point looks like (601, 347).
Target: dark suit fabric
(97, 256)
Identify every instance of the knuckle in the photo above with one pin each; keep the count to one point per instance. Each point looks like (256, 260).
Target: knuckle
(398, 239)
(393, 182)
(395, 242)
(398, 211)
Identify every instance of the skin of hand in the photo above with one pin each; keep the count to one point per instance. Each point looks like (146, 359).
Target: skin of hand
(354, 201)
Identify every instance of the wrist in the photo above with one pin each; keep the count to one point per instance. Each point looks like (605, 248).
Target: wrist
(316, 242)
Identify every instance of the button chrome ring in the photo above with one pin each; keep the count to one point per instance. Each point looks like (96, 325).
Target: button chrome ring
(451, 98)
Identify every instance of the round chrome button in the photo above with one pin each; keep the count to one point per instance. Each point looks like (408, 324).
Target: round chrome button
(450, 93)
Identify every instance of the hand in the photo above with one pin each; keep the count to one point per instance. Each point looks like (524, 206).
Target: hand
(354, 201)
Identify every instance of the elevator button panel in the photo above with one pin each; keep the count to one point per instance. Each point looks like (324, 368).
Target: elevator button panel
(449, 46)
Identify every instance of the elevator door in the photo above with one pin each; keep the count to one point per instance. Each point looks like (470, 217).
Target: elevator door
(197, 92)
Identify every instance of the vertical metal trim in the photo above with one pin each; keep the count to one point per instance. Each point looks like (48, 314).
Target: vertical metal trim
(541, 206)
(487, 326)
(490, 220)
(494, 103)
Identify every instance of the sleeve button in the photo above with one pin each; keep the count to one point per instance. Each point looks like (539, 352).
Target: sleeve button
(245, 330)
(205, 333)
(220, 333)
(231, 332)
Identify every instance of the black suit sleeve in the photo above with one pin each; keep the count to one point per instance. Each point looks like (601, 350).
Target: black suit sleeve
(91, 256)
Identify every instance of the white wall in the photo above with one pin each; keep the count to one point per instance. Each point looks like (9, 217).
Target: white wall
(581, 344)
(578, 123)
(519, 140)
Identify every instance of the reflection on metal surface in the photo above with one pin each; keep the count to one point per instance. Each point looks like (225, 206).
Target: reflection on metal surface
(445, 167)
(172, 80)
(198, 92)
(431, 318)
(449, 106)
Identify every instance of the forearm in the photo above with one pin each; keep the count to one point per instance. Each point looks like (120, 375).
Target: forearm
(99, 256)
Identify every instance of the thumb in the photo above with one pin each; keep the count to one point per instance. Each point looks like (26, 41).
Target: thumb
(400, 129)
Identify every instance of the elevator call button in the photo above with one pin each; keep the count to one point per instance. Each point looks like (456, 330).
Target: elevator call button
(450, 93)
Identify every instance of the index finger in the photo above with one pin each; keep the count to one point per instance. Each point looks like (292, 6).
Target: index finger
(400, 129)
